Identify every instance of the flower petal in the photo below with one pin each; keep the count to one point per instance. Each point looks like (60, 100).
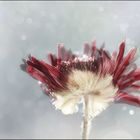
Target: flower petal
(126, 61)
(96, 106)
(129, 99)
(52, 59)
(67, 104)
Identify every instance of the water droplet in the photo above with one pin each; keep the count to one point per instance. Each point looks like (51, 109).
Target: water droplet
(124, 108)
(53, 16)
(43, 13)
(101, 9)
(20, 20)
(29, 20)
(39, 82)
(27, 103)
(115, 17)
(124, 27)
(23, 37)
(131, 112)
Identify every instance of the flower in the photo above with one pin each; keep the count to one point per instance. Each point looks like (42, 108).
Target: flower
(94, 78)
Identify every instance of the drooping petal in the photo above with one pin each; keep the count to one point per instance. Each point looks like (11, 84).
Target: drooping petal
(129, 99)
(130, 79)
(36, 74)
(42, 68)
(57, 75)
(135, 86)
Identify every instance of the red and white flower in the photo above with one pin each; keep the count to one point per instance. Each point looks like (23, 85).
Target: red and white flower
(95, 78)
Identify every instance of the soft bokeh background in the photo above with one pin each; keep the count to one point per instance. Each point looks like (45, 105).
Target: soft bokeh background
(36, 27)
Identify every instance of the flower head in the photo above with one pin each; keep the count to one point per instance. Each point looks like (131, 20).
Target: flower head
(95, 74)
(94, 78)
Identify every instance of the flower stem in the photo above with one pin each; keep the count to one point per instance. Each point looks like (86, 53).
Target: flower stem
(86, 118)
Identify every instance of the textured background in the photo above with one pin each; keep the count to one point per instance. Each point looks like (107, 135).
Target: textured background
(36, 28)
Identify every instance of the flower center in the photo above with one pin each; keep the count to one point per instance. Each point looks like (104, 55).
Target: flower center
(100, 91)
(87, 82)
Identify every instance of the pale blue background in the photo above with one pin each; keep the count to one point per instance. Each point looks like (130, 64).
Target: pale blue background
(36, 28)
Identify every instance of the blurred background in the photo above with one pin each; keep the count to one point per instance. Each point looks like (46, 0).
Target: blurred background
(35, 28)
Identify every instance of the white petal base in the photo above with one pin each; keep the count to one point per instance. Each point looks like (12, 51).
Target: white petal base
(99, 90)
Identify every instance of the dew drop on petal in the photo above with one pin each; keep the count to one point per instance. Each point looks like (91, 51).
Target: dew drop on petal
(39, 82)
